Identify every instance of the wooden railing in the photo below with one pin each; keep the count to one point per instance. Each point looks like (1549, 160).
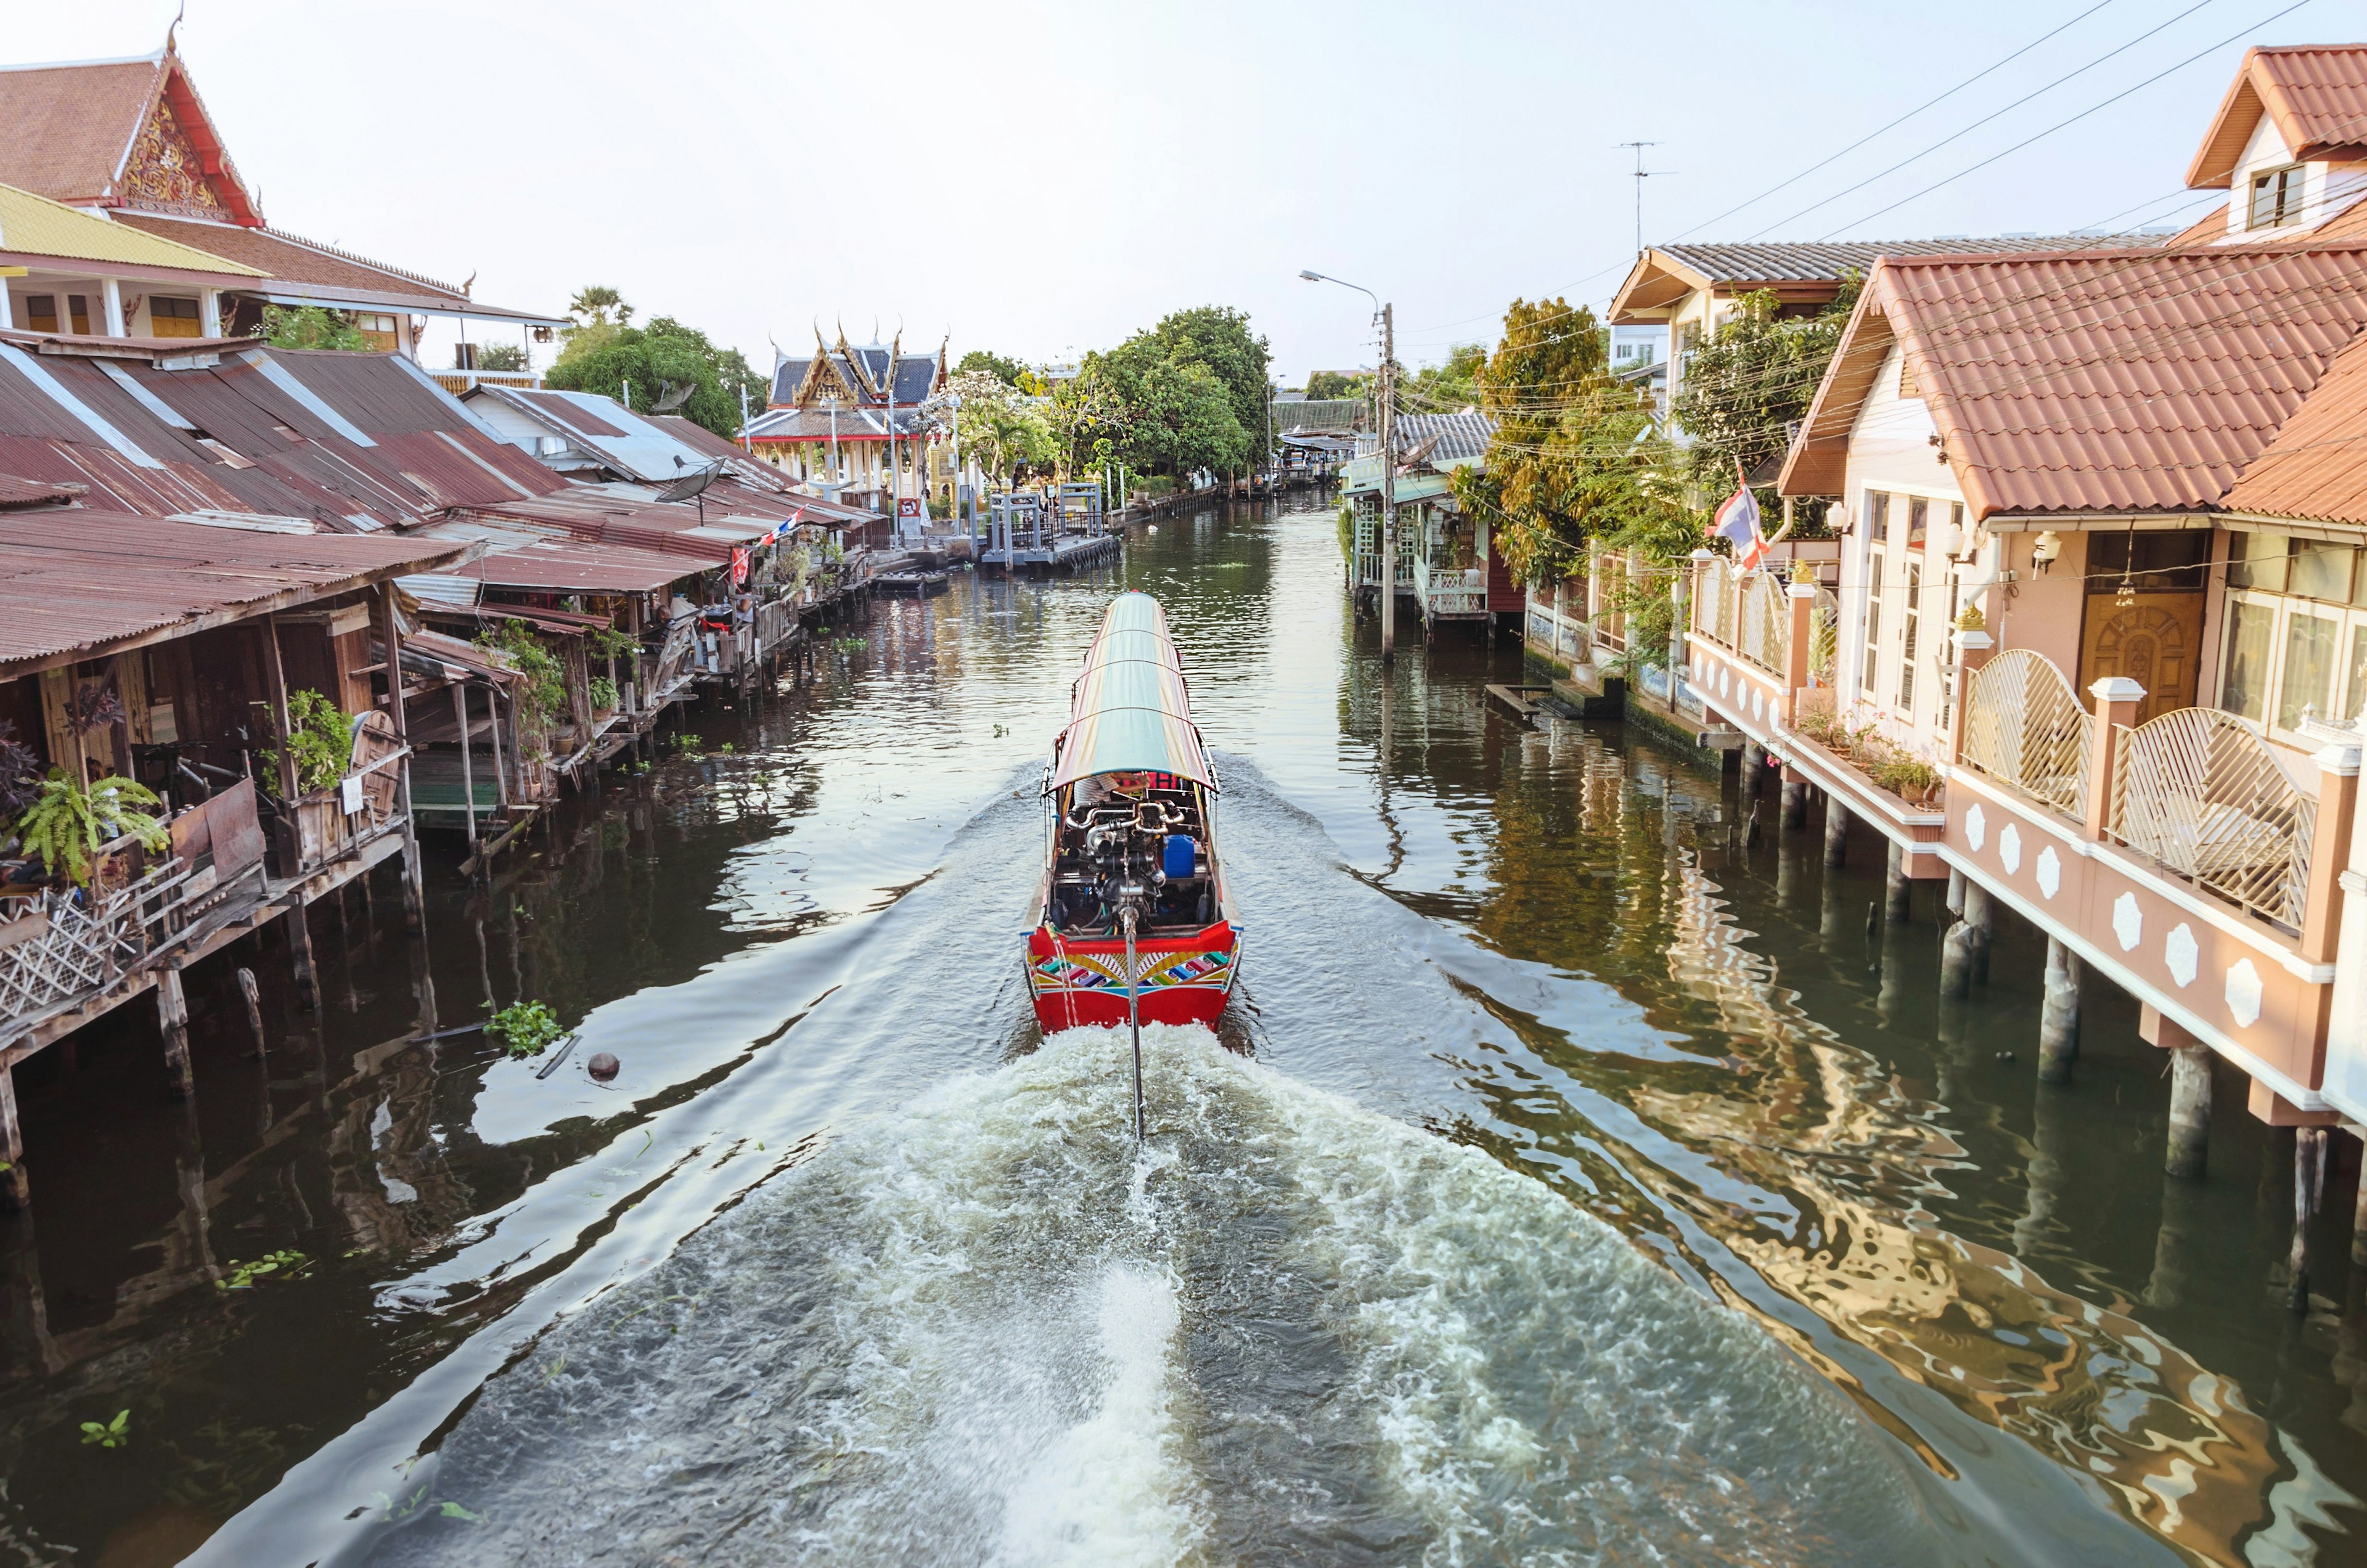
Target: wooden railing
(2025, 727)
(2198, 790)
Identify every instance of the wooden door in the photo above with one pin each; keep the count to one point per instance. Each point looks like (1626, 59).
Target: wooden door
(2157, 642)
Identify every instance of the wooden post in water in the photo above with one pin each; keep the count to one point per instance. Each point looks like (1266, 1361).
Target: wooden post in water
(2309, 1176)
(173, 1020)
(414, 877)
(300, 952)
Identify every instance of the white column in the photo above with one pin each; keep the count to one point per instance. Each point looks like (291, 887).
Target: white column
(209, 311)
(113, 293)
(8, 308)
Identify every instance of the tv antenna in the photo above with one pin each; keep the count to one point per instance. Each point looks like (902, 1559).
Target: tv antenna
(1642, 173)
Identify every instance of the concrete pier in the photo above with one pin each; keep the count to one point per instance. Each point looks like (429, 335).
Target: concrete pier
(2309, 1176)
(1898, 891)
(2058, 1019)
(1796, 802)
(1837, 819)
(2190, 1111)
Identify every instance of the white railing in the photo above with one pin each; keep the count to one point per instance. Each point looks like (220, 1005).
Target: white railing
(2025, 727)
(2198, 790)
(1824, 637)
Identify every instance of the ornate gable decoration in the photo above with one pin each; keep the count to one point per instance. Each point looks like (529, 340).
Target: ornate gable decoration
(165, 173)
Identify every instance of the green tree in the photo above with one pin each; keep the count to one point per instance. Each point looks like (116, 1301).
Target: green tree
(1448, 388)
(310, 326)
(1575, 456)
(1217, 337)
(985, 362)
(501, 357)
(1750, 382)
(1324, 384)
(604, 356)
(1003, 428)
(597, 305)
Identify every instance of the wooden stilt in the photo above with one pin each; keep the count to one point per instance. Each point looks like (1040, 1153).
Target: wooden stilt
(16, 1190)
(299, 952)
(2309, 1167)
(468, 768)
(413, 879)
(254, 995)
(173, 1021)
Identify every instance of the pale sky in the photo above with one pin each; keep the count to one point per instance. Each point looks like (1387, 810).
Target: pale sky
(1045, 178)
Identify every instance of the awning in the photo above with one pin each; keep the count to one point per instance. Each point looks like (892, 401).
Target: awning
(1130, 710)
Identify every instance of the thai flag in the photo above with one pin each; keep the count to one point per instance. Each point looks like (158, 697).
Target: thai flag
(1738, 521)
(781, 529)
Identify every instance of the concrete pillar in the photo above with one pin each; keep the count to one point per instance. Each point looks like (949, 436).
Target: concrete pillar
(2117, 700)
(1837, 819)
(2309, 1174)
(2175, 1244)
(300, 952)
(7, 309)
(209, 311)
(1980, 916)
(1956, 895)
(1898, 892)
(1795, 801)
(2190, 1109)
(1755, 763)
(111, 293)
(16, 1192)
(173, 1020)
(2058, 1018)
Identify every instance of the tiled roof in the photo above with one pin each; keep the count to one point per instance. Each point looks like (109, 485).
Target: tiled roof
(1804, 259)
(63, 127)
(34, 225)
(868, 422)
(1459, 436)
(2316, 95)
(2110, 383)
(286, 257)
(2316, 469)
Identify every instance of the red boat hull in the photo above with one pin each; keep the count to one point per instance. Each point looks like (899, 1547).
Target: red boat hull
(1183, 980)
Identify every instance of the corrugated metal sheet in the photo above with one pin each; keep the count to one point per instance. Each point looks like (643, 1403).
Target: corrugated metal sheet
(15, 492)
(76, 581)
(34, 225)
(525, 554)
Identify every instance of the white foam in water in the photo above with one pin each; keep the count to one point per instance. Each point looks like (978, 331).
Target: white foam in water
(1109, 1489)
(984, 1329)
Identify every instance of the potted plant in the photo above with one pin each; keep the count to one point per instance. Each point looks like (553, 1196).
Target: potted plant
(66, 824)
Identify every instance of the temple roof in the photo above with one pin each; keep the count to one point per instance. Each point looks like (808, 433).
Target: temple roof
(36, 226)
(118, 133)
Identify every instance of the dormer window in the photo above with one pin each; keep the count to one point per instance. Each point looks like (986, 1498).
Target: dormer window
(2276, 196)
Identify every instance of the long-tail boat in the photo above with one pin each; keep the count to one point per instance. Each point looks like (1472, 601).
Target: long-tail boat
(1134, 921)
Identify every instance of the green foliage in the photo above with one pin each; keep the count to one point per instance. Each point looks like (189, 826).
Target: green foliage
(984, 361)
(604, 692)
(112, 1434)
(1188, 393)
(1449, 388)
(846, 647)
(1002, 427)
(454, 1511)
(310, 326)
(525, 1029)
(1749, 382)
(543, 693)
(607, 351)
(501, 357)
(1575, 457)
(726, 749)
(608, 642)
(1327, 384)
(243, 1276)
(685, 740)
(66, 825)
(1347, 532)
(322, 742)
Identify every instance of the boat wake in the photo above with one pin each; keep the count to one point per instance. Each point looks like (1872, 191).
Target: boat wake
(982, 1328)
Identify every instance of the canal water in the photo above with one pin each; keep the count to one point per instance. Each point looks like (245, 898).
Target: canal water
(1572, 1182)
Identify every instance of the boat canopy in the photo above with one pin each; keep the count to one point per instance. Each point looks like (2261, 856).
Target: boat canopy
(1129, 710)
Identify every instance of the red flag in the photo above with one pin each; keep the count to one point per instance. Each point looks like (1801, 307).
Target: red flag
(739, 565)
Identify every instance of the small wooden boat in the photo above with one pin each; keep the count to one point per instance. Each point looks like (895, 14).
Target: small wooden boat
(1134, 918)
(917, 582)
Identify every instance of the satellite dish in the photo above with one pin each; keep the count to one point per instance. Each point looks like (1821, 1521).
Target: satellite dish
(673, 398)
(692, 484)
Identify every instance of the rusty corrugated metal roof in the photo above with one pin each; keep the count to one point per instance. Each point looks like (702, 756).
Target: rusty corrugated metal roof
(17, 493)
(2109, 384)
(76, 582)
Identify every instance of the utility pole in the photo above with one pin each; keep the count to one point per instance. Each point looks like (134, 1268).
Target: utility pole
(896, 516)
(1642, 173)
(1389, 484)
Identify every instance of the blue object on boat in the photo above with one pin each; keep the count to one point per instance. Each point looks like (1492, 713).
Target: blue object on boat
(1179, 855)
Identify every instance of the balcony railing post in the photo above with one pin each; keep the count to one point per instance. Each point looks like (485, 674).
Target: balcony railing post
(1802, 606)
(2337, 802)
(1973, 650)
(2117, 698)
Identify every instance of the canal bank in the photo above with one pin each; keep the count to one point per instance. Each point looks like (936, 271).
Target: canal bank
(1675, 1137)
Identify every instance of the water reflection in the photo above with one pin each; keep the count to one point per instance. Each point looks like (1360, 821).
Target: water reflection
(1551, 943)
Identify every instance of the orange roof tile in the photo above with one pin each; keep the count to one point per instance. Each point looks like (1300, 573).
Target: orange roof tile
(2099, 382)
(2316, 469)
(2316, 94)
(65, 129)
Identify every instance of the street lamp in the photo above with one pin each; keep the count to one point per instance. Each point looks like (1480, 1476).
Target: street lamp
(1387, 399)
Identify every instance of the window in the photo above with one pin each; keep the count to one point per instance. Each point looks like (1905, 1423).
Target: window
(1874, 591)
(41, 312)
(2276, 198)
(380, 330)
(1909, 624)
(2296, 645)
(1919, 522)
(2251, 631)
(174, 318)
(2309, 670)
(2170, 561)
(78, 312)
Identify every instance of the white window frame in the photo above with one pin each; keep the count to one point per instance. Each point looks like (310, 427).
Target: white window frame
(2284, 604)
